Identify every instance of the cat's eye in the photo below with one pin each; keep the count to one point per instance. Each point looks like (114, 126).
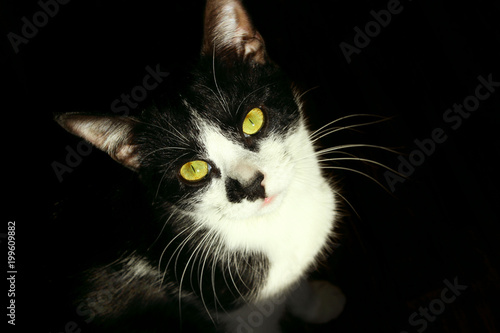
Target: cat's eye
(195, 171)
(253, 122)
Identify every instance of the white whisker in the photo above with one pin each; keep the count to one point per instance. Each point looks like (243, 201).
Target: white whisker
(337, 150)
(217, 97)
(226, 108)
(298, 98)
(243, 100)
(161, 231)
(178, 250)
(195, 251)
(315, 133)
(179, 135)
(359, 172)
(361, 160)
(214, 261)
(347, 201)
(239, 276)
(327, 131)
(354, 145)
(209, 250)
(163, 253)
(232, 279)
(161, 149)
(219, 252)
(165, 173)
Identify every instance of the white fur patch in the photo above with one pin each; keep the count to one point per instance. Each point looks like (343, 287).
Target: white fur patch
(295, 220)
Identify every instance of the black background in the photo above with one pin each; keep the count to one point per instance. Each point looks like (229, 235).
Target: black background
(442, 223)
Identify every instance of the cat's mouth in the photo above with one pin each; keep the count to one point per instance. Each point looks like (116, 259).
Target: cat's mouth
(269, 200)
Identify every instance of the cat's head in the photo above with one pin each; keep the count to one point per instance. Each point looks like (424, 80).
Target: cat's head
(231, 146)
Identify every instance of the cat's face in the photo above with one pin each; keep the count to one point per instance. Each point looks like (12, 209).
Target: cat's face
(228, 149)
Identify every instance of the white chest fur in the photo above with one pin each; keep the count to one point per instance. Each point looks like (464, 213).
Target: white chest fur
(296, 235)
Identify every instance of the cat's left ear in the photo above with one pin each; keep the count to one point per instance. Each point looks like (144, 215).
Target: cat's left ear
(228, 32)
(112, 134)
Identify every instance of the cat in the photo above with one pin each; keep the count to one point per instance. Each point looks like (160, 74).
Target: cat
(243, 211)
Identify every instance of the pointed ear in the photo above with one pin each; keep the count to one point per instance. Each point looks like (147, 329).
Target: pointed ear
(229, 32)
(111, 134)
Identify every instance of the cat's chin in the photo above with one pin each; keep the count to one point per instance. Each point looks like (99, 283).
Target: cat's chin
(268, 205)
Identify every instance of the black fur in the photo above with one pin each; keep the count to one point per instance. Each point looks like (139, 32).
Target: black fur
(251, 191)
(142, 293)
(208, 282)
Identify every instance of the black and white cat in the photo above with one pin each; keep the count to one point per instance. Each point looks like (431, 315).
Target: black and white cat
(243, 209)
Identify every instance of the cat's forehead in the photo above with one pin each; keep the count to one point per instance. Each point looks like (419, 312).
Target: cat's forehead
(222, 95)
(223, 85)
(211, 108)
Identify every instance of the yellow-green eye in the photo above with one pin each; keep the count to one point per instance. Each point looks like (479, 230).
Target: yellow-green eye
(253, 121)
(194, 171)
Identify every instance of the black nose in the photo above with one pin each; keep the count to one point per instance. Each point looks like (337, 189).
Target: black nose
(251, 190)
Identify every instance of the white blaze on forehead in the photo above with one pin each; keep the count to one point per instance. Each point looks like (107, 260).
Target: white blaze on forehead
(222, 150)
(231, 158)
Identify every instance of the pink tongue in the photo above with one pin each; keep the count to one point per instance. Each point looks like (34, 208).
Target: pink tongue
(268, 200)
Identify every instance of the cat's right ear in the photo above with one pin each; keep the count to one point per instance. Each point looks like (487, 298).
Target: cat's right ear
(111, 134)
(229, 33)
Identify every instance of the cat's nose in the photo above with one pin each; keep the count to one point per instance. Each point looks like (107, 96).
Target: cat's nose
(251, 189)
